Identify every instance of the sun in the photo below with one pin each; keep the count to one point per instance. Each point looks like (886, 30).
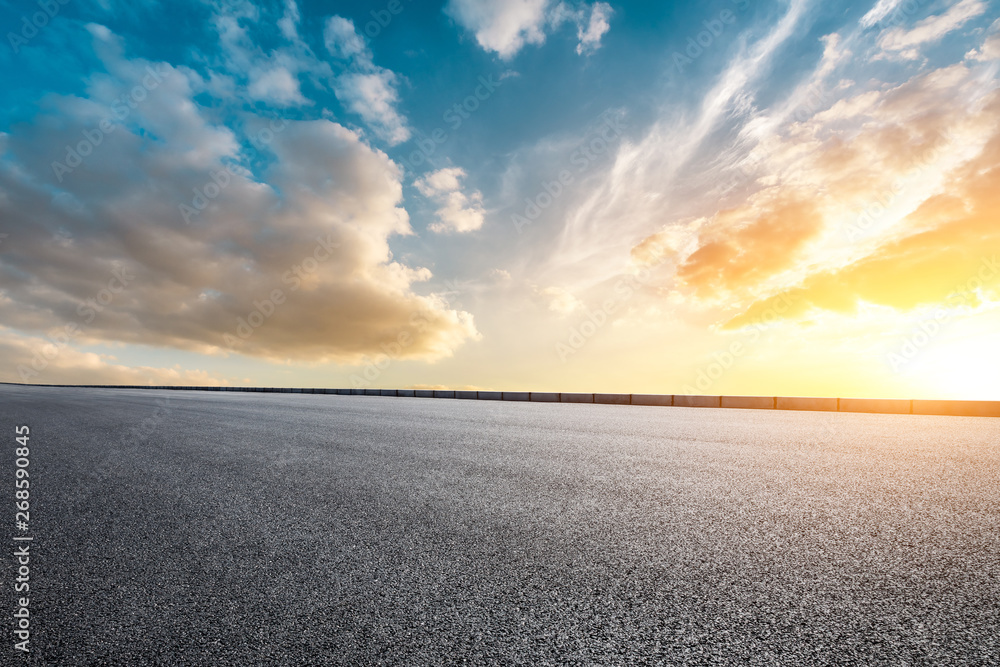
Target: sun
(961, 369)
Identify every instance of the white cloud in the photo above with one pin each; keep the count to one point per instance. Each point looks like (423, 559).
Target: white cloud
(343, 41)
(373, 97)
(277, 86)
(441, 181)
(502, 27)
(597, 27)
(990, 49)
(506, 27)
(271, 77)
(560, 300)
(458, 212)
(364, 88)
(906, 43)
(288, 24)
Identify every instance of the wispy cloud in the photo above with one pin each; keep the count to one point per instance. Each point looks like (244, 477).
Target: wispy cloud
(634, 193)
(366, 89)
(881, 9)
(906, 43)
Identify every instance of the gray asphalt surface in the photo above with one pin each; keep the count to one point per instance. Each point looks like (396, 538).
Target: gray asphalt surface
(176, 528)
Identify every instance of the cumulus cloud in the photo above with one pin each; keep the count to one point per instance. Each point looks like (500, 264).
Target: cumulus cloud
(458, 212)
(276, 85)
(343, 41)
(506, 27)
(364, 88)
(272, 76)
(501, 27)
(373, 96)
(270, 241)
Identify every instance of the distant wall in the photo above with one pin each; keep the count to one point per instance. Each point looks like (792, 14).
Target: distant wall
(876, 405)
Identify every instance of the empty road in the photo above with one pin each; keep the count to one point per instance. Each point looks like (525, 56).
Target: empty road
(190, 528)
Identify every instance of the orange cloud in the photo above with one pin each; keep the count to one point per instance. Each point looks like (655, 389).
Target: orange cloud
(38, 360)
(746, 245)
(919, 157)
(951, 261)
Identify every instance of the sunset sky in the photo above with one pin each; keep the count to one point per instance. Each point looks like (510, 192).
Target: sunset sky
(733, 197)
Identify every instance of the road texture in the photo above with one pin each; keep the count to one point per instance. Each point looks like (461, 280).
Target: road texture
(188, 528)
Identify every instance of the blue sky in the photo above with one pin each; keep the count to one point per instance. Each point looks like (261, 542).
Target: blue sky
(456, 193)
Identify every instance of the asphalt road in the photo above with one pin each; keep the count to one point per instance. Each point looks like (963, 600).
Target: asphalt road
(176, 528)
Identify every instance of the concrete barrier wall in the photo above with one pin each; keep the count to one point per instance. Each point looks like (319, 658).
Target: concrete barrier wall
(613, 399)
(698, 401)
(652, 399)
(748, 402)
(803, 403)
(887, 406)
(881, 405)
(957, 408)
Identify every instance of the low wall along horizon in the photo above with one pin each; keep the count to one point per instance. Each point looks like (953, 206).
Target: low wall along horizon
(956, 408)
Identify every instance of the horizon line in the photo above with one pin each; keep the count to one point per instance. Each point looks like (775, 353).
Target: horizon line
(938, 407)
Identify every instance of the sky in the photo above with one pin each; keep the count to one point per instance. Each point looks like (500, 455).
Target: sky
(729, 197)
